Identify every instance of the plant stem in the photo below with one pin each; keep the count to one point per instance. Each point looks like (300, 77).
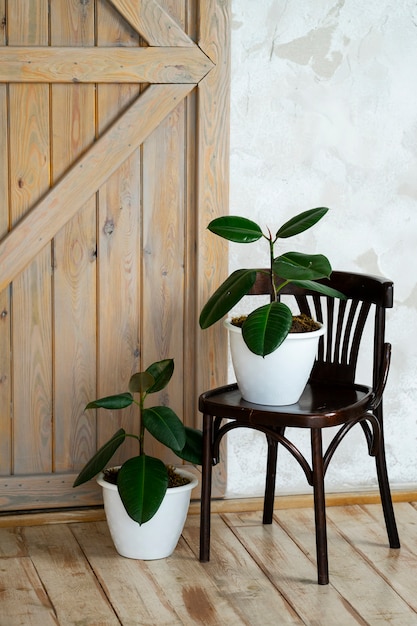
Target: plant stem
(271, 262)
(141, 425)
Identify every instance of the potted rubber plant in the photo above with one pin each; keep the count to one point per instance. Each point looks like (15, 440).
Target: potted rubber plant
(144, 513)
(263, 341)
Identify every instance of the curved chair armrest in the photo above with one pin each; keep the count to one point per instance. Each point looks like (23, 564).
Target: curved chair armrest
(383, 375)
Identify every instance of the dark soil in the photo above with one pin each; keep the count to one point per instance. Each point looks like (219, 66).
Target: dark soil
(300, 323)
(174, 479)
(303, 324)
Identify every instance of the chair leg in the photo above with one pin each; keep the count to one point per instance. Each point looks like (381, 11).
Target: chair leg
(385, 492)
(206, 480)
(319, 506)
(271, 472)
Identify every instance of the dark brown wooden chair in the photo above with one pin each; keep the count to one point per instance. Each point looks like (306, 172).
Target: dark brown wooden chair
(332, 397)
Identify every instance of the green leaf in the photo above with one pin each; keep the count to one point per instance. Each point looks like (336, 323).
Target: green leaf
(299, 266)
(320, 288)
(142, 483)
(266, 328)
(162, 372)
(141, 382)
(100, 459)
(193, 449)
(301, 222)
(119, 401)
(154, 378)
(234, 228)
(226, 296)
(165, 426)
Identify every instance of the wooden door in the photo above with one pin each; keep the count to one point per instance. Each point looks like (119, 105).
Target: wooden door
(113, 158)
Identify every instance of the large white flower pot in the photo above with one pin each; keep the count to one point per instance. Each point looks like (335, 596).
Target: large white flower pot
(280, 377)
(157, 538)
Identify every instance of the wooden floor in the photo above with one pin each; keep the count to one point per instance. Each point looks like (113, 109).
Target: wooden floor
(69, 574)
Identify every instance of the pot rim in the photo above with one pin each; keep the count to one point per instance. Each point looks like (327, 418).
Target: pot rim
(183, 472)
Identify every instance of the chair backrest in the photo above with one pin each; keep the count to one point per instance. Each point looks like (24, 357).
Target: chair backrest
(345, 321)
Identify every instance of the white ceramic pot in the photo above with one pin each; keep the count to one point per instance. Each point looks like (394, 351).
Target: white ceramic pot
(157, 538)
(280, 377)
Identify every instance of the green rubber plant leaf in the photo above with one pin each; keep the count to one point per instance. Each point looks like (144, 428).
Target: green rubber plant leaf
(266, 328)
(119, 401)
(320, 288)
(142, 483)
(299, 266)
(100, 459)
(192, 451)
(141, 382)
(237, 285)
(234, 228)
(165, 426)
(301, 222)
(162, 372)
(154, 378)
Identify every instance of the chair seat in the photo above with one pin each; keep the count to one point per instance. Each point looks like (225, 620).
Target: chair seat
(320, 406)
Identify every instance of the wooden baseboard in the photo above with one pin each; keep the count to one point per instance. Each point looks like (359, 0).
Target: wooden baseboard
(235, 505)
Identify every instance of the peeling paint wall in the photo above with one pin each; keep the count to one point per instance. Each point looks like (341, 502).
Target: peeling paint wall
(324, 114)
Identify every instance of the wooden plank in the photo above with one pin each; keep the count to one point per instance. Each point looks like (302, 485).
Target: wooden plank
(63, 516)
(74, 278)
(27, 23)
(239, 577)
(63, 64)
(46, 491)
(119, 253)
(291, 571)
(213, 183)
(23, 597)
(135, 596)
(32, 320)
(152, 22)
(162, 323)
(212, 196)
(193, 596)
(352, 576)
(5, 317)
(364, 528)
(11, 543)
(67, 578)
(85, 177)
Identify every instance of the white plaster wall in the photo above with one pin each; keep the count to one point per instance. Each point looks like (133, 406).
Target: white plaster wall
(324, 113)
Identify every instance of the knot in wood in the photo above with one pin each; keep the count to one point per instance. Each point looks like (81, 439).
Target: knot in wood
(108, 228)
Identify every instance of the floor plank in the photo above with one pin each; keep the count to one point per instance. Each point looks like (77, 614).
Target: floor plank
(126, 581)
(239, 577)
(352, 576)
(23, 601)
(291, 570)
(68, 580)
(192, 593)
(364, 528)
(12, 542)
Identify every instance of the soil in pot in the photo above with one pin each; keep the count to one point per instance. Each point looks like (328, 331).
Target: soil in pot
(300, 323)
(174, 479)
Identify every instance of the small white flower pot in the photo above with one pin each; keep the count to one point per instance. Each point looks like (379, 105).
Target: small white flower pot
(157, 538)
(280, 377)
